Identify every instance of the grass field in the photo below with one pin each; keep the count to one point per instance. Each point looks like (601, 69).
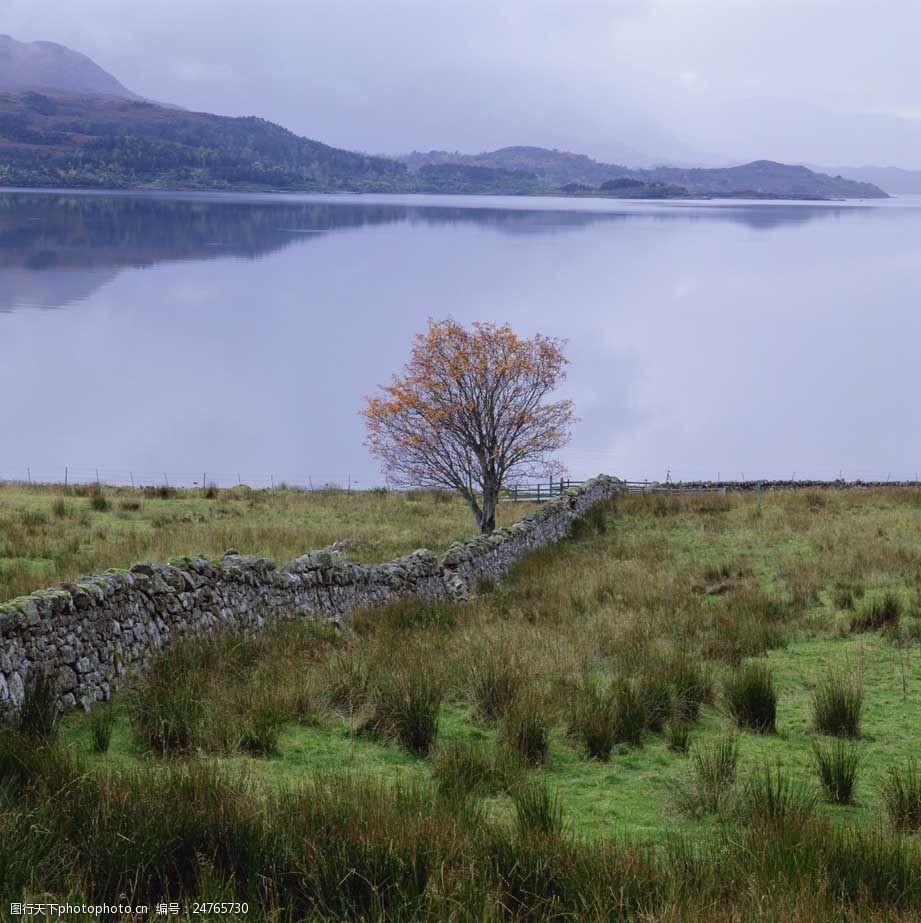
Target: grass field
(629, 726)
(50, 534)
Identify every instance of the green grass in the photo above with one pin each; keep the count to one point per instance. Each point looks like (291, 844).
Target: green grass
(613, 608)
(51, 534)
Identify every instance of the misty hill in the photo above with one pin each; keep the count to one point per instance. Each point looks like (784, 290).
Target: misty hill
(59, 140)
(894, 180)
(555, 167)
(64, 121)
(761, 178)
(49, 66)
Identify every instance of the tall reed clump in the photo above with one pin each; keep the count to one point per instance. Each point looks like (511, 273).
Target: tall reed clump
(496, 679)
(38, 714)
(525, 729)
(632, 716)
(657, 696)
(751, 697)
(102, 724)
(678, 735)
(594, 719)
(837, 705)
(691, 684)
(538, 810)
(166, 703)
(346, 679)
(594, 521)
(902, 796)
(405, 703)
(877, 612)
(709, 786)
(98, 500)
(770, 798)
(473, 767)
(836, 764)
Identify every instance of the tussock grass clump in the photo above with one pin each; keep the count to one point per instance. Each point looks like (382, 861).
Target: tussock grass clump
(709, 787)
(260, 728)
(346, 679)
(901, 793)
(837, 705)
(876, 612)
(657, 695)
(98, 500)
(751, 697)
(847, 593)
(594, 718)
(678, 735)
(525, 729)
(771, 799)
(471, 767)
(166, 703)
(734, 636)
(405, 704)
(538, 810)
(102, 723)
(632, 716)
(836, 764)
(691, 684)
(231, 693)
(594, 521)
(497, 679)
(38, 714)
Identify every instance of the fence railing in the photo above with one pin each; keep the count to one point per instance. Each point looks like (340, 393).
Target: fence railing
(537, 492)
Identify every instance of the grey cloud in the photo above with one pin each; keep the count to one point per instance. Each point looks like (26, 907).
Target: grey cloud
(675, 79)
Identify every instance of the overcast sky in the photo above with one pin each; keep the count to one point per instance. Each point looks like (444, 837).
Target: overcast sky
(822, 81)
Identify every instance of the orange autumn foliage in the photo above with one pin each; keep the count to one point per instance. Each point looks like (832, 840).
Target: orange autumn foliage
(471, 411)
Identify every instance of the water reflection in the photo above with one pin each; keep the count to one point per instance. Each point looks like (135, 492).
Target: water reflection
(56, 249)
(237, 335)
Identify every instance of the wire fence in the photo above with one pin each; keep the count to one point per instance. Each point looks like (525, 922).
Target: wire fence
(349, 481)
(193, 480)
(127, 477)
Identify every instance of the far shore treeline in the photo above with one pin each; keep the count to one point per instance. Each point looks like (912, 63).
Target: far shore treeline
(58, 140)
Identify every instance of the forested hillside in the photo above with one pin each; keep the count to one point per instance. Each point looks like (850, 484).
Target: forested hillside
(55, 140)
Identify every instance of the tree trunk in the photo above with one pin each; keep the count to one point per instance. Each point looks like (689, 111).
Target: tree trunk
(487, 521)
(474, 508)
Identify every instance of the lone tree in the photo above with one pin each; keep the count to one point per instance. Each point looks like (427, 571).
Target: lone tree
(470, 411)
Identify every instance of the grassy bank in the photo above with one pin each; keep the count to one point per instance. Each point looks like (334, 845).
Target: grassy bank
(52, 533)
(697, 708)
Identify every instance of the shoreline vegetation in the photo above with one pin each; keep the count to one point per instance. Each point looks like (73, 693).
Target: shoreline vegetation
(651, 193)
(697, 707)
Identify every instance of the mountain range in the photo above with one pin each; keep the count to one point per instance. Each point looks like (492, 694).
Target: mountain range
(66, 122)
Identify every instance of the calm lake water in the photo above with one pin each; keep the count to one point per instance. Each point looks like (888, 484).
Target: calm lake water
(174, 335)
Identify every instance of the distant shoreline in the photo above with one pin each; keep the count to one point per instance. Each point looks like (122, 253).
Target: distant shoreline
(741, 196)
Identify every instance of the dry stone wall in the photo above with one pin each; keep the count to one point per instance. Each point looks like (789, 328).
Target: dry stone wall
(92, 633)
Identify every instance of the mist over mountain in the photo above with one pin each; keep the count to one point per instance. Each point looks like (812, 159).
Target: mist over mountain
(49, 66)
(894, 180)
(64, 121)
